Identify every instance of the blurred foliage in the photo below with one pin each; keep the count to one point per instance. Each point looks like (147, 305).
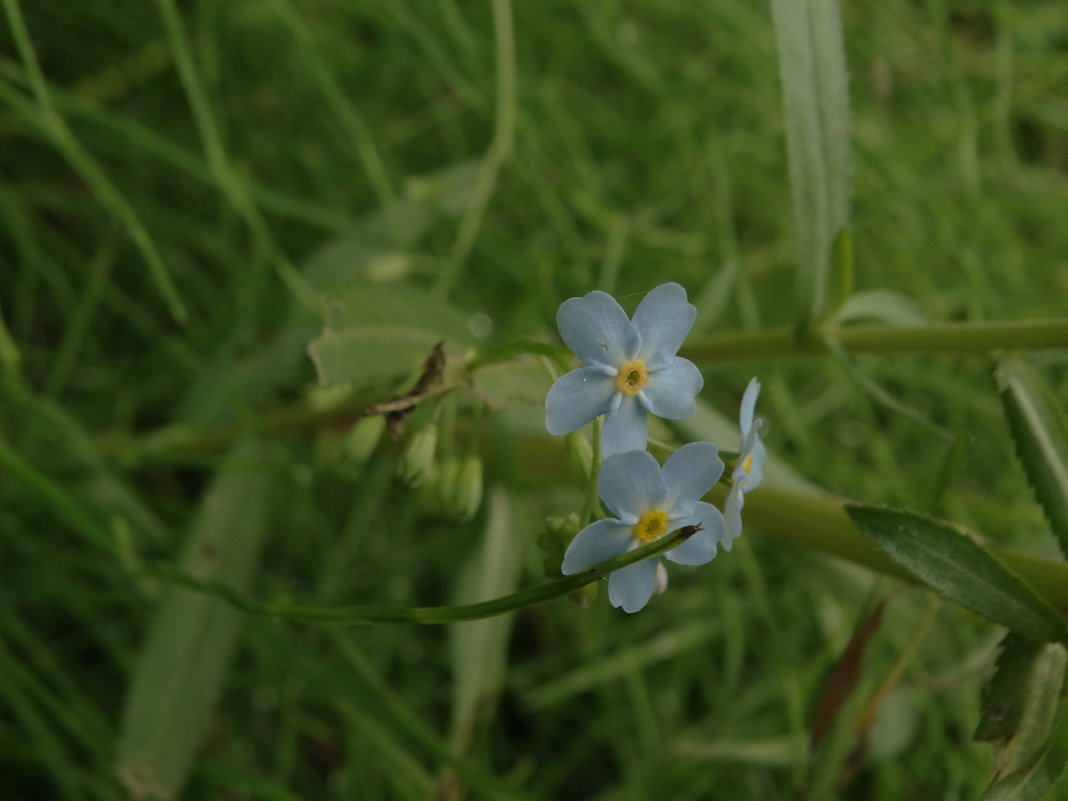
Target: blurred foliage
(335, 142)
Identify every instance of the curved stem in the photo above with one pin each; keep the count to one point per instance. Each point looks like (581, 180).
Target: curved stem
(359, 615)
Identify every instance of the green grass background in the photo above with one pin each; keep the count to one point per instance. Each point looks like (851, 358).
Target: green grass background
(648, 146)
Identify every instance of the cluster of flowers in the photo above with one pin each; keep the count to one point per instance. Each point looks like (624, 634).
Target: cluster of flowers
(630, 370)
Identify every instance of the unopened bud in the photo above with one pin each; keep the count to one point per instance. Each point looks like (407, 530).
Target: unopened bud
(661, 579)
(584, 596)
(458, 486)
(445, 477)
(467, 495)
(417, 462)
(362, 438)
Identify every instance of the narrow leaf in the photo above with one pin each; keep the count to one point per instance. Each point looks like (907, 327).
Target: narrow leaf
(845, 675)
(1040, 431)
(479, 646)
(816, 105)
(1037, 777)
(180, 673)
(840, 282)
(957, 567)
(1020, 703)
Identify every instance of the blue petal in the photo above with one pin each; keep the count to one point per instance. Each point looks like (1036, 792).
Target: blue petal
(701, 546)
(626, 429)
(671, 391)
(630, 484)
(752, 446)
(600, 540)
(632, 586)
(690, 472)
(756, 467)
(578, 397)
(663, 318)
(749, 399)
(732, 516)
(597, 330)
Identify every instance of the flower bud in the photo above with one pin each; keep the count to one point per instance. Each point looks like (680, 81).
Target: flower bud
(584, 596)
(467, 495)
(417, 462)
(661, 578)
(362, 438)
(458, 486)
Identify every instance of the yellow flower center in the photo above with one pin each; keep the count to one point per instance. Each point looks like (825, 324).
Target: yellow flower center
(747, 465)
(631, 377)
(651, 525)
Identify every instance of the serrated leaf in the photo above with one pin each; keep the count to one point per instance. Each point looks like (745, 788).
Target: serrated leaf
(957, 567)
(1040, 431)
(816, 105)
(1020, 702)
(181, 670)
(374, 333)
(1035, 778)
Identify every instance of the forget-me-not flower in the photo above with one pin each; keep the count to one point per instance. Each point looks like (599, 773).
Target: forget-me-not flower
(749, 471)
(630, 366)
(649, 502)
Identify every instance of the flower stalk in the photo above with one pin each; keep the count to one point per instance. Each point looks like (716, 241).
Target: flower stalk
(361, 614)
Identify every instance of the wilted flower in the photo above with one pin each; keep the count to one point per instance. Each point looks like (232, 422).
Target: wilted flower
(649, 502)
(630, 366)
(749, 470)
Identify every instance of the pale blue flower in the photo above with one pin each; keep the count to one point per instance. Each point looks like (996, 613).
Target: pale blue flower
(749, 470)
(649, 502)
(630, 366)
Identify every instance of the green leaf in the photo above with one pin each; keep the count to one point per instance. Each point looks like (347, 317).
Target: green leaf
(840, 281)
(1035, 778)
(479, 647)
(1040, 431)
(180, 673)
(377, 333)
(957, 567)
(1020, 703)
(816, 105)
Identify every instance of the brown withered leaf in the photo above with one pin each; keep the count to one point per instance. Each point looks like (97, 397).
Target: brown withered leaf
(397, 408)
(844, 677)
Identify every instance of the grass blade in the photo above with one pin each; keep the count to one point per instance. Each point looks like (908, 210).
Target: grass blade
(957, 567)
(816, 106)
(181, 671)
(55, 128)
(479, 648)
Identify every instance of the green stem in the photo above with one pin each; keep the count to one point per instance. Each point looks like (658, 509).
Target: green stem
(819, 522)
(975, 337)
(499, 149)
(359, 615)
(45, 117)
